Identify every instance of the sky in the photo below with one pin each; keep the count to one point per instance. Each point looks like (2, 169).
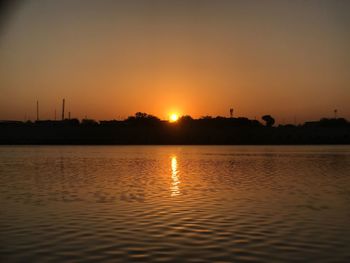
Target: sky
(110, 59)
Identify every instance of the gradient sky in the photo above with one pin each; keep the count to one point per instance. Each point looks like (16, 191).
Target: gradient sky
(110, 59)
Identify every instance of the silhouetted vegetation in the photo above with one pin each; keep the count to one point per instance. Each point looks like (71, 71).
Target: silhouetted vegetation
(324, 122)
(89, 122)
(143, 128)
(142, 118)
(269, 120)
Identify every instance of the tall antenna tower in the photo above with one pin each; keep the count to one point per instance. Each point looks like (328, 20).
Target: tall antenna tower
(37, 110)
(63, 103)
(335, 113)
(231, 113)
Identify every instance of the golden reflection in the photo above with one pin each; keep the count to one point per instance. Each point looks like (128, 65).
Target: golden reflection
(175, 189)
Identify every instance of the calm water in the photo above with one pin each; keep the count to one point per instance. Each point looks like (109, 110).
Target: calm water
(174, 203)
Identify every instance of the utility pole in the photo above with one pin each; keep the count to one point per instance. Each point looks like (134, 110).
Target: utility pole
(231, 112)
(37, 110)
(63, 102)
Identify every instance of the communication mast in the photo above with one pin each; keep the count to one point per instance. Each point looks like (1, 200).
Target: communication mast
(37, 110)
(63, 103)
(231, 113)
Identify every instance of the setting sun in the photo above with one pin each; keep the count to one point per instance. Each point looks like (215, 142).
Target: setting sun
(173, 117)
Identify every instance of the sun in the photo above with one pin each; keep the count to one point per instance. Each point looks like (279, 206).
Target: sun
(173, 117)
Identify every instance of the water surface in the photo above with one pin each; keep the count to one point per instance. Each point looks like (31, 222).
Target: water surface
(175, 203)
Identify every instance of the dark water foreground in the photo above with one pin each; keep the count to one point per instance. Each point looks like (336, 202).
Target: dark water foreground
(175, 203)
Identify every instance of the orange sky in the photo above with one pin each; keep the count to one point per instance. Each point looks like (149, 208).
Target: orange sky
(110, 59)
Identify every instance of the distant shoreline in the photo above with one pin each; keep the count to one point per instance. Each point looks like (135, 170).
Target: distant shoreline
(87, 145)
(224, 131)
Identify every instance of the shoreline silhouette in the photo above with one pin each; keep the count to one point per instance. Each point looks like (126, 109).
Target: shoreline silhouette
(145, 129)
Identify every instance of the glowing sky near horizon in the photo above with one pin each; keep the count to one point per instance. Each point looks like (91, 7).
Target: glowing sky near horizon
(110, 59)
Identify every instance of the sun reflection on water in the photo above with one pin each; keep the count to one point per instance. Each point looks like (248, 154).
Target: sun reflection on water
(175, 189)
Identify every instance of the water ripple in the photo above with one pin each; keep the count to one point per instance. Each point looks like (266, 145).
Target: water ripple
(175, 204)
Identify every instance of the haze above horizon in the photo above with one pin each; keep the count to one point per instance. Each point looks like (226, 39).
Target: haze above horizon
(110, 59)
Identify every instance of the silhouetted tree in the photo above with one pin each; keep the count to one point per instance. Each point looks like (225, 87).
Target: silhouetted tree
(141, 115)
(142, 118)
(207, 117)
(186, 118)
(145, 116)
(269, 120)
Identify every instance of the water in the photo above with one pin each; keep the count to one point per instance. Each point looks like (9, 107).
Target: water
(175, 203)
